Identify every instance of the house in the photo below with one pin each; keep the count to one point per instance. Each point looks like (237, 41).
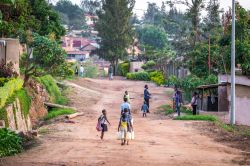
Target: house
(242, 97)
(78, 48)
(77, 55)
(217, 97)
(91, 20)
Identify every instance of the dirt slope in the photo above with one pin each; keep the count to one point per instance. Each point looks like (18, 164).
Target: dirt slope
(159, 141)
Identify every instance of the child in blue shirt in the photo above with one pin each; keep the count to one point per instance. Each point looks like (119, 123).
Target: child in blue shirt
(144, 109)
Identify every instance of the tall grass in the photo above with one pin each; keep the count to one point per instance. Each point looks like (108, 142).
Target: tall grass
(53, 90)
(55, 112)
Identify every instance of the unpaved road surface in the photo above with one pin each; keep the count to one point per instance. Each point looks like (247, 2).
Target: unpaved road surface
(159, 141)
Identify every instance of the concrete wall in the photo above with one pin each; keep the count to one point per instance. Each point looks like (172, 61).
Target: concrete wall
(242, 104)
(11, 52)
(135, 66)
(16, 119)
(223, 103)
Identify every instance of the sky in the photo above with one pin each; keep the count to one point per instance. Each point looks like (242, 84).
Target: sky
(141, 5)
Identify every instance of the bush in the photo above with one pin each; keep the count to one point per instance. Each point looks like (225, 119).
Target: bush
(149, 65)
(55, 112)
(8, 90)
(174, 81)
(123, 69)
(143, 76)
(10, 143)
(91, 71)
(157, 77)
(3, 81)
(53, 90)
(7, 70)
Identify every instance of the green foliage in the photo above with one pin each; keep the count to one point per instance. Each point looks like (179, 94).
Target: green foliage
(149, 65)
(90, 70)
(8, 90)
(73, 15)
(3, 81)
(53, 90)
(143, 76)
(55, 112)
(167, 109)
(153, 36)
(186, 110)
(115, 30)
(25, 101)
(91, 6)
(48, 58)
(25, 15)
(4, 116)
(10, 143)
(197, 117)
(174, 81)
(157, 77)
(123, 69)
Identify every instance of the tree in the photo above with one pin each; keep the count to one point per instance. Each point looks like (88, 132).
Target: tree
(29, 15)
(153, 37)
(91, 6)
(47, 57)
(242, 43)
(194, 8)
(134, 20)
(114, 29)
(212, 20)
(74, 13)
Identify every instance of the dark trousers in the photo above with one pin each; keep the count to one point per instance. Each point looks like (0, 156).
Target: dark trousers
(147, 102)
(194, 109)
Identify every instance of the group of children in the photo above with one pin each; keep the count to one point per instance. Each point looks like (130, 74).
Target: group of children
(125, 126)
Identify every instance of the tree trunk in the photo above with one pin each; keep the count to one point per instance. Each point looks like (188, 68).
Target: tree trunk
(116, 67)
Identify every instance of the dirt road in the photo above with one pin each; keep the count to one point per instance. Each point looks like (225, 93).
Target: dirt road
(159, 141)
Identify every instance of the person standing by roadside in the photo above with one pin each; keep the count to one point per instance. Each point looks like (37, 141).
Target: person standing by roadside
(76, 71)
(146, 96)
(194, 103)
(81, 71)
(178, 101)
(110, 71)
(104, 120)
(144, 109)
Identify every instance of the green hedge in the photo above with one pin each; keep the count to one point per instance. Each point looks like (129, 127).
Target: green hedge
(123, 69)
(50, 84)
(157, 77)
(10, 143)
(149, 65)
(142, 76)
(8, 90)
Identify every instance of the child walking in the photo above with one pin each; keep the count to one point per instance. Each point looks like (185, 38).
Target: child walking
(103, 121)
(124, 127)
(144, 109)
